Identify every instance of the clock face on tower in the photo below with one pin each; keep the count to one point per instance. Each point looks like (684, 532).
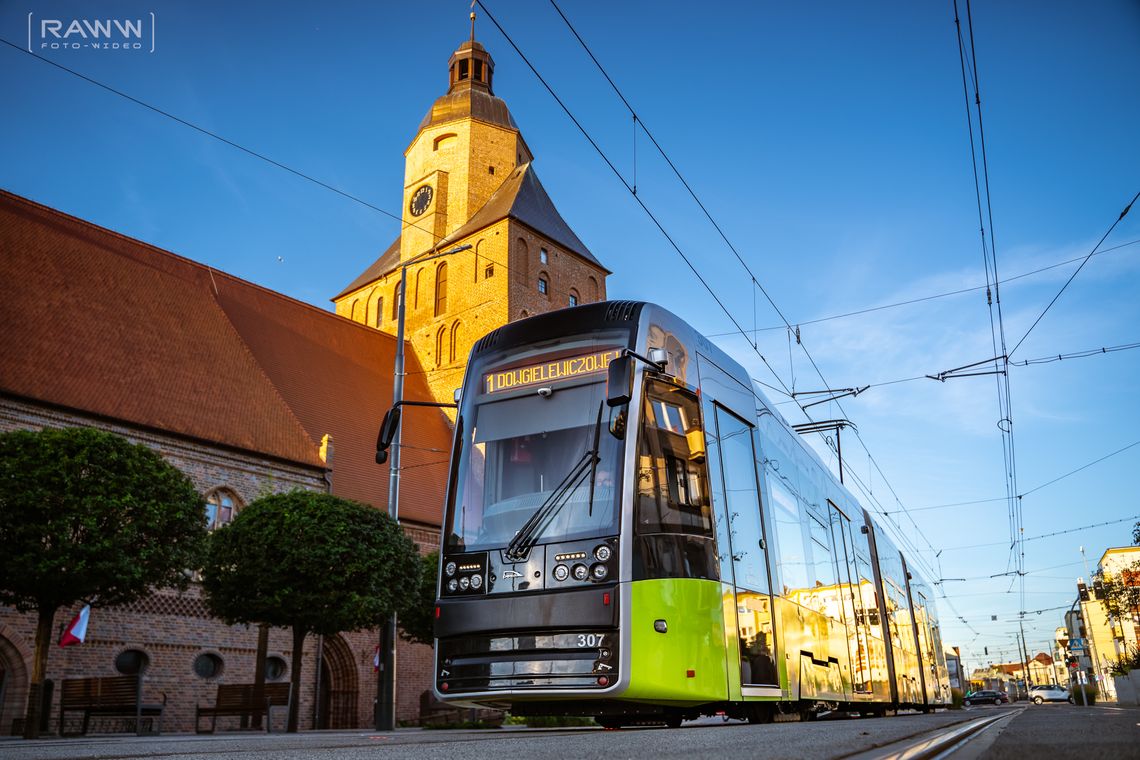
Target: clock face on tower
(421, 199)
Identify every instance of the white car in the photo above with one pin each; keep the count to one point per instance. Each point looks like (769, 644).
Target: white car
(1049, 692)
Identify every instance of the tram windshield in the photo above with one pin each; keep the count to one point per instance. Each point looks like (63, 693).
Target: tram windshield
(535, 467)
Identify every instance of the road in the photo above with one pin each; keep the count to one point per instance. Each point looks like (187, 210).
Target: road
(1049, 731)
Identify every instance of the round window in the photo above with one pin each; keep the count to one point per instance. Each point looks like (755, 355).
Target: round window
(208, 665)
(275, 668)
(131, 662)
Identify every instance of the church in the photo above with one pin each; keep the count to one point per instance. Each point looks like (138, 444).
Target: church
(249, 391)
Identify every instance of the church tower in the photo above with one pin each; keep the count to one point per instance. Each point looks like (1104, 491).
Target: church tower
(469, 181)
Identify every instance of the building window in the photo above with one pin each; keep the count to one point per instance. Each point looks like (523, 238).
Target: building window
(416, 291)
(131, 662)
(439, 344)
(593, 290)
(208, 665)
(454, 340)
(354, 310)
(478, 71)
(491, 170)
(441, 289)
(573, 297)
(520, 262)
(379, 310)
(221, 506)
(489, 271)
(463, 69)
(275, 668)
(396, 301)
(543, 284)
(542, 256)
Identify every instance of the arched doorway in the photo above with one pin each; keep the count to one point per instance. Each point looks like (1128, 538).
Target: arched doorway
(337, 700)
(13, 684)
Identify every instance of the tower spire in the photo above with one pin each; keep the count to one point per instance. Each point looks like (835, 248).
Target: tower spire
(472, 21)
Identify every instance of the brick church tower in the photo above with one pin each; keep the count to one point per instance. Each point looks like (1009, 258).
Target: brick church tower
(469, 179)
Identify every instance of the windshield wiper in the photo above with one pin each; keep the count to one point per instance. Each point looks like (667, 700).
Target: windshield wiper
(530, 531)
(594, 467)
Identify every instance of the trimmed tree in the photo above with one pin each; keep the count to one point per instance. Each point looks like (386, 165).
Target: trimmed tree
(418, 621)
(311, 562)
(87, 515)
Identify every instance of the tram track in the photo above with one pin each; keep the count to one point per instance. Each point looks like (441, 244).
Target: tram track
(937, 744)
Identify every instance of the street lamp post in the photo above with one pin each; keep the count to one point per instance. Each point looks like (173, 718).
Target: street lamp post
(385, 714)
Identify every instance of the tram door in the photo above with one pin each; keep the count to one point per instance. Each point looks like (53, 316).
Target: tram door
(739, 487)
(858, 627)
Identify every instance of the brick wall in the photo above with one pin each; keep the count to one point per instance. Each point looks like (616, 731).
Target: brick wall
(173, 628)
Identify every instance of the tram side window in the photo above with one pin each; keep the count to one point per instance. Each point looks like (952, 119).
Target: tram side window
(791, 557)
(673, 516)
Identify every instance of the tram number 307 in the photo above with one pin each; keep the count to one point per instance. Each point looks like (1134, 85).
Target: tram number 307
(591, 639)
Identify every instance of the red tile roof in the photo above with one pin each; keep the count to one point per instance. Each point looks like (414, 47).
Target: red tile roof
(101, 323)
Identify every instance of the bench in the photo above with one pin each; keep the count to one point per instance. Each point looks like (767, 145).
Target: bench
(109, 696)
(244, 700)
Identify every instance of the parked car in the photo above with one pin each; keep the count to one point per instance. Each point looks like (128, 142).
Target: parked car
(984, 697)
(1049, 692)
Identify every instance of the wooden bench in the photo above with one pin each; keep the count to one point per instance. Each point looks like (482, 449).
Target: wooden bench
(110, 696)
(243, 700)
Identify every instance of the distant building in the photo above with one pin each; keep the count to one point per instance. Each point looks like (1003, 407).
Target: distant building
(1096, 635)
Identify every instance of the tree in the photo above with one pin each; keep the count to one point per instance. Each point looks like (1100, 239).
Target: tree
(1121, 593)
(1136, 534)
(312, 562)
(417, 622)
(87, 515)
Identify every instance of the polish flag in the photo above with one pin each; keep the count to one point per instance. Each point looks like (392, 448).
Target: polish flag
(76, 630)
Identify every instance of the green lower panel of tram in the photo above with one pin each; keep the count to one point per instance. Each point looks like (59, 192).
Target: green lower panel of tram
(685, 662)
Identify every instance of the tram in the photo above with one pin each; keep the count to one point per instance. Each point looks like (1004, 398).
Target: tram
(633, 532)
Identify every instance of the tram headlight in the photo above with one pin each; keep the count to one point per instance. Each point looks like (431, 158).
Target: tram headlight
(452, 585)
(464, 583)
(602, 553)
(581, 573)
(599, 572)
(449, 569)
(476, 582)
(561, 572)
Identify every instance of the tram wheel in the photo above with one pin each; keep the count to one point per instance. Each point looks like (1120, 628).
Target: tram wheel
(607, 721)
(760, 714)
(673, 721)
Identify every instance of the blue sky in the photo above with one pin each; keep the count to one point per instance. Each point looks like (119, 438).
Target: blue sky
(828, 139)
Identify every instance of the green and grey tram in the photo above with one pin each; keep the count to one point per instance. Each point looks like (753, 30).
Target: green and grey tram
(632, 532)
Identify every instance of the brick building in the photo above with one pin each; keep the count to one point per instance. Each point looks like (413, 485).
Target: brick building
(248, 391)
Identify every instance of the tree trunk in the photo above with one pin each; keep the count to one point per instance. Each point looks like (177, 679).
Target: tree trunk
(299, 634)
(39, 670)
(259, 668)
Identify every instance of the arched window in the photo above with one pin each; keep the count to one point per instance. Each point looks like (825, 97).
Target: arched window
(354, 310)
(396, 301)
(440, 142)
(544, 283)
(521, 261)
(379, 310)
(478, 245)
(454, 340)
(573, 300)
(221, 506)
(593, 290)
(416, 290)
(441, 289)
(440, 337)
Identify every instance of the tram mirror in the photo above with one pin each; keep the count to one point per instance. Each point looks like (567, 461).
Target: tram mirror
(617, 424)
(619, 382)
(387, 433)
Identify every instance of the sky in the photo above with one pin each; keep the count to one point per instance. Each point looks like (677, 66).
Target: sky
(828, 140)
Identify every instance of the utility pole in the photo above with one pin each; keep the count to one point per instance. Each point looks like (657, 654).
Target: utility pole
(1088, 624)
(1025, 655)
(385, 713)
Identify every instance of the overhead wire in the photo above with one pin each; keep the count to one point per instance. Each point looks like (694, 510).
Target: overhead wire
(754, 280)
